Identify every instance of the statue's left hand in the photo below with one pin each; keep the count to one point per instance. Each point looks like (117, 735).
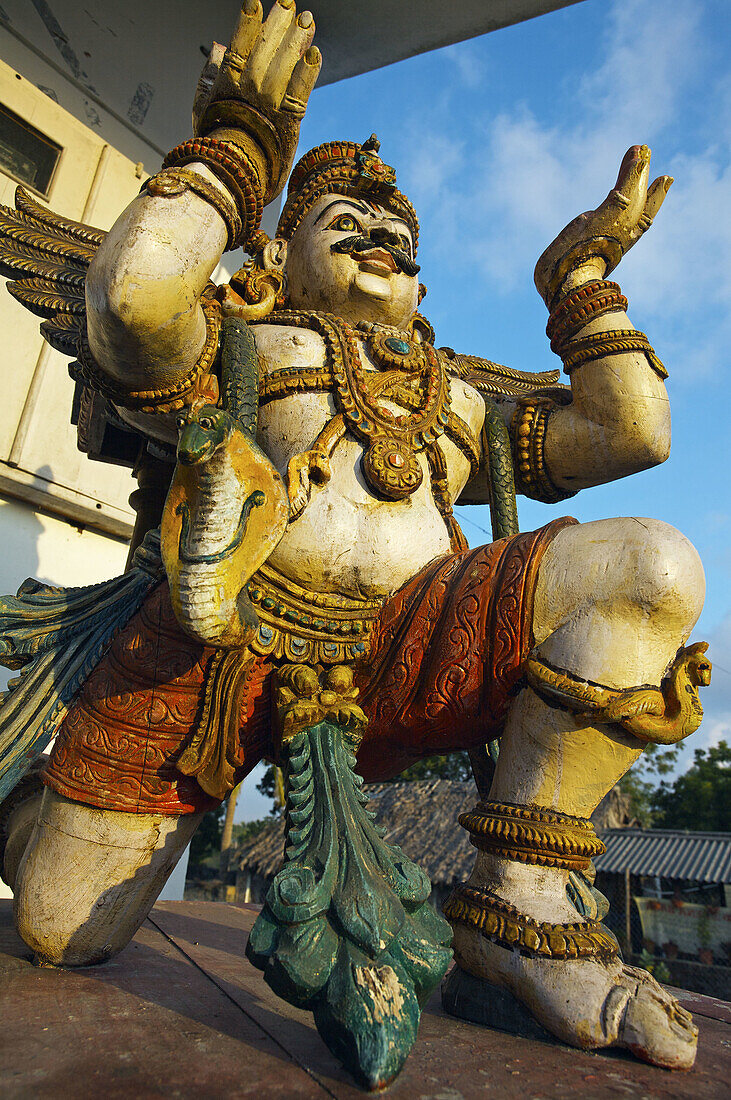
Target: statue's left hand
(255, 92)
(593, 244)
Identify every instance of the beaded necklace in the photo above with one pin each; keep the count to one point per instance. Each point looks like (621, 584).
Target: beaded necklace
(391, 440)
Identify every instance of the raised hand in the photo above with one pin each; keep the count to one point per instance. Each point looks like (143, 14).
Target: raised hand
(593, 244)
(255, 92)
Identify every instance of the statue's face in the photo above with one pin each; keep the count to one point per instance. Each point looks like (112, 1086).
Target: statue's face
(353, 258)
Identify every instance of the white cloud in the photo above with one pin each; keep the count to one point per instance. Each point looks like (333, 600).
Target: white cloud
(714, 729)
(519, 180)
(651, 49)
(467, 63)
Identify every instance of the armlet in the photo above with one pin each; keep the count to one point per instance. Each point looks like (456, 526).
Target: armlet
(527, 435)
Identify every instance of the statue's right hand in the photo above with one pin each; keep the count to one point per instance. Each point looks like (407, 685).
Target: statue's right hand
(255, 92)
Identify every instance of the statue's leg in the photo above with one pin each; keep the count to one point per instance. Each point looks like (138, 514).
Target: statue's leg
(615, 600)
(89, 877)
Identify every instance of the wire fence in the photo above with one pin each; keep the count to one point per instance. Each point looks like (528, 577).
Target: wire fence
(678, 930)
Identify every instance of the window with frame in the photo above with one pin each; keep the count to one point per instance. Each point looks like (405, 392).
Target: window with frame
(26, 154)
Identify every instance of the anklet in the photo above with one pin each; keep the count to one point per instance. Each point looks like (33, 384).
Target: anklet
(504, 925)
(533, 834)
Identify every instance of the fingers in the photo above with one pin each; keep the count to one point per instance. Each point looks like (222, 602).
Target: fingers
(630, 189)
(304, 78)
(655, 198)
(294, 44)
(247, 28)
(207, 80)
(273, 32)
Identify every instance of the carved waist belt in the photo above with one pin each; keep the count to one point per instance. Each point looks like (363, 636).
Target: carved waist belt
(305, 626)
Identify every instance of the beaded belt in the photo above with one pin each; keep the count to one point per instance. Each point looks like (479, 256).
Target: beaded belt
(304, 626)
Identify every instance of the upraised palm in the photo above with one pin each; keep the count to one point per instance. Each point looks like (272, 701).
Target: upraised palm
(593, 244)
(259, 86)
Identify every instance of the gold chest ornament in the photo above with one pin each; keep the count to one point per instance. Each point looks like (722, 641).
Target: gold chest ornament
(410, 372)
(411, 375)
(392, 440)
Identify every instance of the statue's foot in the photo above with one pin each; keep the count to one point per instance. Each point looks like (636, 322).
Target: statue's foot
(589, 1003)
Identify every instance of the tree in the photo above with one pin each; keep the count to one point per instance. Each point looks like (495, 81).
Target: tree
(207, 838)
(244, 830)
(456, 765)
(701, 798)
(640, 783)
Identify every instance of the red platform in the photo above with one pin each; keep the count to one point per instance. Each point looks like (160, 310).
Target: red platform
(182, 1015)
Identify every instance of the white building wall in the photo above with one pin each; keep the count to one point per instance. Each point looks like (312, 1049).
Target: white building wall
(54, 551)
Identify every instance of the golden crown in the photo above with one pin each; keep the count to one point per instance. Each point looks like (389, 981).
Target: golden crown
(344, 168)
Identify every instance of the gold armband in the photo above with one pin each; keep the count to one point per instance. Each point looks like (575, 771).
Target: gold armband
(165, 399)
(528, 434)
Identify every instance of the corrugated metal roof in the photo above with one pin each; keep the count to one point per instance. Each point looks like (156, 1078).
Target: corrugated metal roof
(703, 857)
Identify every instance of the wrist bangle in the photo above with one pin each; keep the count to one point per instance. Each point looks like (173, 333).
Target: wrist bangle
(233, 168)
(581, 306)
(614, 342)
(174, 181)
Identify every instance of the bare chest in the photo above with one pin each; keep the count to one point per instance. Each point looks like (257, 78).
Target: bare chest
(348, 538)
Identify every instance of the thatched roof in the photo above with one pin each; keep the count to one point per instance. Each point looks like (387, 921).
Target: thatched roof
(421, 818)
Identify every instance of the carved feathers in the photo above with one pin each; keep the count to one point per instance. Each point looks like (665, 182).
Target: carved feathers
(47, 257)
(496, 380)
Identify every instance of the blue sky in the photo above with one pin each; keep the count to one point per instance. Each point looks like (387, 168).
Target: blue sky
(499, 142)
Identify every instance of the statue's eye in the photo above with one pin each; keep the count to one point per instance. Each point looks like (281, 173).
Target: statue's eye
(345, 223)
(206, 423)
(180, 422)
(405, 243)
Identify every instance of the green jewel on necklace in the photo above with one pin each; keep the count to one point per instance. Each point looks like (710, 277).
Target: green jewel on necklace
(395, 344)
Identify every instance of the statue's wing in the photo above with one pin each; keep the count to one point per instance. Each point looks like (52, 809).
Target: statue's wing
(46, 258)
(496, 380)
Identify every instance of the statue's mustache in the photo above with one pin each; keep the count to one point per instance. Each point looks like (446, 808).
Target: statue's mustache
(358, 243)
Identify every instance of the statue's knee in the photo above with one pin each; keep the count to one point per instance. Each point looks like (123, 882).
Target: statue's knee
(627, 567)
(89, 878)
(663, 575)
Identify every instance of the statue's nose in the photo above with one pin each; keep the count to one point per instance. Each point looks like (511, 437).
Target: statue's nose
(381, 234)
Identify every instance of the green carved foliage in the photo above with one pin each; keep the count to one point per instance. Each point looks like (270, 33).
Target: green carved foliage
(347, 930)
(368, 1017)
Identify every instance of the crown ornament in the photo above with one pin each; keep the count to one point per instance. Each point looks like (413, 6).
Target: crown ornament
(344, 168)
(374, 174)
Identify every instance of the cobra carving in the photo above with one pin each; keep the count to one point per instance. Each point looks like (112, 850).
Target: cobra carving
(227, 506)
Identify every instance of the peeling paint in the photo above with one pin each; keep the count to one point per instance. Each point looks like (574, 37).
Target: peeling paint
(382, 988)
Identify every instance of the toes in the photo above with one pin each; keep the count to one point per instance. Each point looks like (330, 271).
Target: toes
(655, 1027)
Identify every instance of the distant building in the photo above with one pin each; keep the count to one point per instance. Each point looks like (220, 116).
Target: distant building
(421, 818)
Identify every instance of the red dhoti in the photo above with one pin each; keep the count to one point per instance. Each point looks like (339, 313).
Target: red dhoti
(445, 658)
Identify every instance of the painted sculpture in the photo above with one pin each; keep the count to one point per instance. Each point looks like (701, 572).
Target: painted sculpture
(304, 592)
